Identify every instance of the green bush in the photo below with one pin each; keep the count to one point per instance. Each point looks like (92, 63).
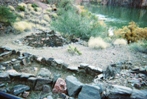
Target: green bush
(34, 6)
(73, 23)
(20, 8)
(6, 15)
(140, 46)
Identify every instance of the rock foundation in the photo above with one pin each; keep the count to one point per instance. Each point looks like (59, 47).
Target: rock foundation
(19, 76)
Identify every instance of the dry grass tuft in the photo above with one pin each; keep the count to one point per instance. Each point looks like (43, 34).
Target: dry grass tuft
(22, 25)
(97, 42)
(120, 42)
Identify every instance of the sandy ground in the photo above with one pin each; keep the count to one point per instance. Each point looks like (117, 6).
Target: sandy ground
(99, 58)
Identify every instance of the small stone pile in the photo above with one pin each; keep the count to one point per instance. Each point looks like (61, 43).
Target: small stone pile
(45, 39)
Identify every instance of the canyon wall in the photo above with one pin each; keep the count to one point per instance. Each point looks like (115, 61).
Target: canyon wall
(126, 3)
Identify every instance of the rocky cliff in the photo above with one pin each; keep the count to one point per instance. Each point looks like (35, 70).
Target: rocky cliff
(126, 3)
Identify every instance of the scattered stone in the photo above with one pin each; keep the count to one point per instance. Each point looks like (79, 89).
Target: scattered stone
(19, 89)
(26, 75)
(92, 70)
(56, 76)
(112, 70)
(89, 92)
(59, 61)
(5, 54)
(44, 39)
(45, 73)
(139, 94)
(13, 60)
(32, 81)
(73, 68)
(137, 85)
(40, 82)
(119, 92)
(60, 86)
(73, 86)
(46, 89)
(49, 97)
(4, 76)
(2, 85)
(100, 76)
(16, 65)
(2, 67)
(13, 73)
(25, 94)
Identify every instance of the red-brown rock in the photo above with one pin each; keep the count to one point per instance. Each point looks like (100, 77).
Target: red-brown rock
(60, 86)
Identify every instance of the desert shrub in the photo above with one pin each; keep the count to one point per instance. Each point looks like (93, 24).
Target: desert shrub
(97, 43)
(140, 46)
(132, 32)
(71, 22)
(6, 15)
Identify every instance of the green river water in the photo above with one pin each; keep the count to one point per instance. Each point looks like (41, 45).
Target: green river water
(119, 16)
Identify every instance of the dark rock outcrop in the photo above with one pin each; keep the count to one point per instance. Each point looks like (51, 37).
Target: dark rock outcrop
(126, 3)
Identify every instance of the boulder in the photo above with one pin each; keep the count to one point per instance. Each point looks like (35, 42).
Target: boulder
(40, 82)
(139, 94)
(32, 82)
(44, 76)
(45, 73)
(89, 92)
(20, 89)
(60, 86)
(112, 70)
(73, 86)
(119, 92)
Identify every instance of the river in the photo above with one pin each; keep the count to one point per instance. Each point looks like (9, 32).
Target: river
(119, 16)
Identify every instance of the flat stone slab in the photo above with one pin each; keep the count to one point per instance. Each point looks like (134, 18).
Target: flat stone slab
(89, 92)
(19, 89)
(73, 86)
